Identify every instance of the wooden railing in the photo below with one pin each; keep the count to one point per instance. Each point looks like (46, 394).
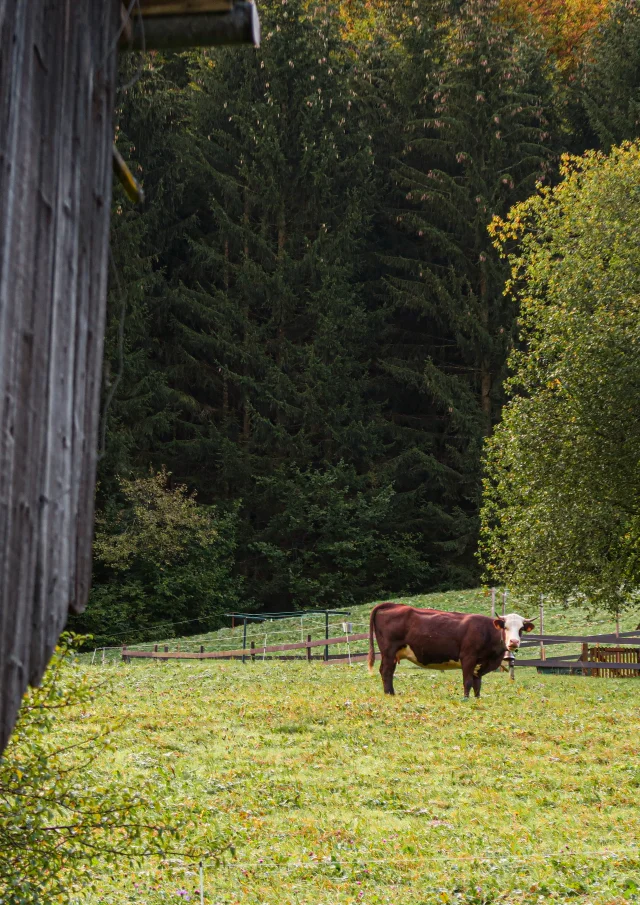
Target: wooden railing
(247, 653)
(589, 660)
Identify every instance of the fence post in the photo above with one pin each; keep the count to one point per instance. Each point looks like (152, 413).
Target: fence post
(124, 654)
(253, 651)
(584, 657)
(326, 635)
(244, 639)
(155, 648)
(543, 655)
(202, 648)
(308, 649)
(166, 650)
(493, 603)
(617, 624)
(504, 602)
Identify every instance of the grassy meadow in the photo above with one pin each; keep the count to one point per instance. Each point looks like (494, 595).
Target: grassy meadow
(325, 791)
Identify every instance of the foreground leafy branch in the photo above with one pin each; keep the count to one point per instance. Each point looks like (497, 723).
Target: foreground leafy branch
(63, 822)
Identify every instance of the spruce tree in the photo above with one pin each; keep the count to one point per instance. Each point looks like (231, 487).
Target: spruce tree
(260, 326)
(610, 76)
(476, 138)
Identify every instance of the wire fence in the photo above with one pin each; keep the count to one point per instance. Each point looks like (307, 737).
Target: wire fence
(259, 636)
(205, 876)
(262, 635)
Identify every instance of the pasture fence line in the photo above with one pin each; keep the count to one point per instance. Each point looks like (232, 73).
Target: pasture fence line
(483, 858)
(265, 865)
(618, 659)
(630, 852)
(243, 652)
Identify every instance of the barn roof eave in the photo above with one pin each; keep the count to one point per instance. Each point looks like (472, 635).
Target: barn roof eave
(182, 24)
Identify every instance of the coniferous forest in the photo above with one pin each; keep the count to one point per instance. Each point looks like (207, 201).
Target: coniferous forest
(307, 331)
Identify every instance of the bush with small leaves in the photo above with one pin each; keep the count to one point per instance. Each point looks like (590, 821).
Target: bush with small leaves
(64, 822)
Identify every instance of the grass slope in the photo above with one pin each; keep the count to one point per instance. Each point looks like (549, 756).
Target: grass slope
(332, 793)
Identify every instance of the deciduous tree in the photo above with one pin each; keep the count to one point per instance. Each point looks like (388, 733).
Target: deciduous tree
(561, 511)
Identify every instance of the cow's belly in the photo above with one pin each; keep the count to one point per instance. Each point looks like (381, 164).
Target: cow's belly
(405, 653)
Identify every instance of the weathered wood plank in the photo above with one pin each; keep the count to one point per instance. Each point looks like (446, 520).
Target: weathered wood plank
(579, 664)
(57, 78)
(632, 638)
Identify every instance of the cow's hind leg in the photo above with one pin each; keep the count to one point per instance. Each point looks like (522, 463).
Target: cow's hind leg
(387, 669)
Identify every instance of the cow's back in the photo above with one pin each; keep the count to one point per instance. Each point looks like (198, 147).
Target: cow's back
(433, 636)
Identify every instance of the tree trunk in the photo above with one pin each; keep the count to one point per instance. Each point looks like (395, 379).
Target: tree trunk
(485, 365)
(246, 417)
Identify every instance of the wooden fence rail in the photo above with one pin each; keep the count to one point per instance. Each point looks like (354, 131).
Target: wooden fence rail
(563, 662)
(622, 638)
(624, 662)
(247, 652)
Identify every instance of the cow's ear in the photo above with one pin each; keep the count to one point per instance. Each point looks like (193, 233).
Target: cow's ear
(499, 623)
(528, 625)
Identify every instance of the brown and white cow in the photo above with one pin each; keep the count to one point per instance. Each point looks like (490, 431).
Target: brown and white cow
(436, 640)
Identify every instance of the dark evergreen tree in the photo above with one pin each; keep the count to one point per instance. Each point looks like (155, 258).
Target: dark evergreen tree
(610, 76)
(476, 139)
(314, 332)
(262, 188)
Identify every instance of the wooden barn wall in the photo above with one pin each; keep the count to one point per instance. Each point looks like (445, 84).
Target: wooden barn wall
(57, 76)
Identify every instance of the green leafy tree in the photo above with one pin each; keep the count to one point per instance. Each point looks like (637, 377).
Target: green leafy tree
(63, 823)
(162, 561)
(478, 140)
(561, 510)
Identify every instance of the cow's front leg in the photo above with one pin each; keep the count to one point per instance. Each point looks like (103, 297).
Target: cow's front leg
(477, 682)
(387, 669)
(469, 677)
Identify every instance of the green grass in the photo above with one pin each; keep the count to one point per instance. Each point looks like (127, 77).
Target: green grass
(331, 792)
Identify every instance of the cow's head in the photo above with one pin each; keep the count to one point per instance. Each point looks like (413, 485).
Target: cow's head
(513, 627)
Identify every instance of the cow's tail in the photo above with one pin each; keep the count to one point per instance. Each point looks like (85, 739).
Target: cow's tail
(372, 624)
(372, 651)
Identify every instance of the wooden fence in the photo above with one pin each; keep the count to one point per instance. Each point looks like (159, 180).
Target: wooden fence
(610, 655)
(247, 653)
(620, 660)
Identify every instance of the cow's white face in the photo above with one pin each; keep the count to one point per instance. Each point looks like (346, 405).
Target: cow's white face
(513, 626)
